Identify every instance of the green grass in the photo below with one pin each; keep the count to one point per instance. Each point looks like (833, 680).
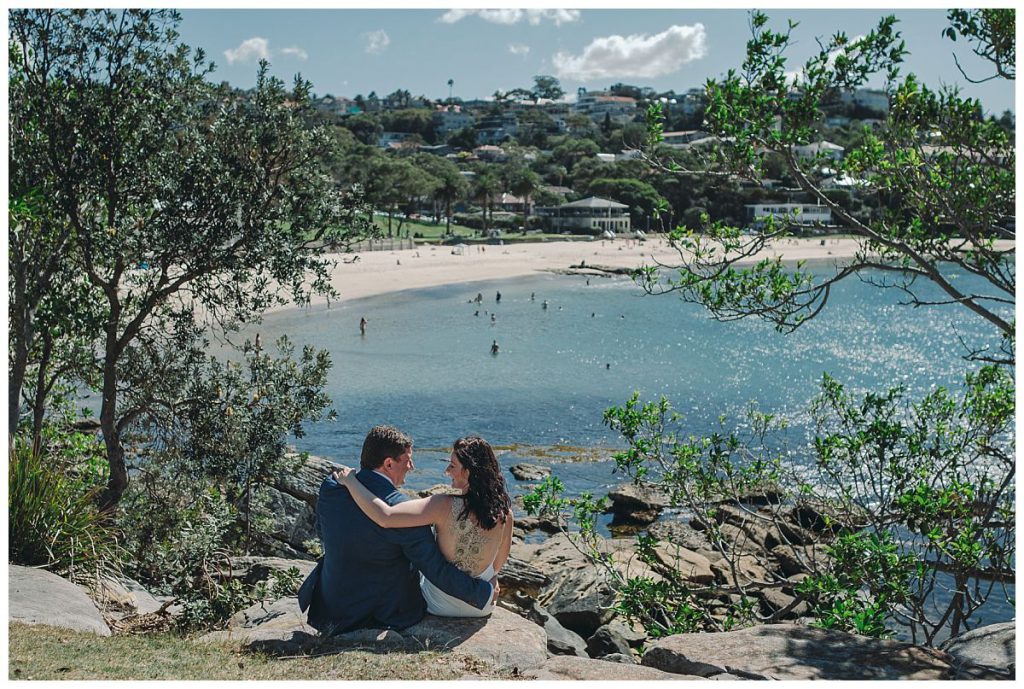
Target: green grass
(48, 653)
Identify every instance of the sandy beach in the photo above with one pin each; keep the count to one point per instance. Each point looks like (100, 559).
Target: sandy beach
(382, 272)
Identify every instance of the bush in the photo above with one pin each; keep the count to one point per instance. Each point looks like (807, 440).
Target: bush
(52, 519)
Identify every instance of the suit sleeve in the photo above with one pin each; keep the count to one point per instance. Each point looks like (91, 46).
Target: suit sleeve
(420, 548)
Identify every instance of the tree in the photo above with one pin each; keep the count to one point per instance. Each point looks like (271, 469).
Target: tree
(183, 204)
(547, 88)
(643, 200)
(523, 182)
(897, 499)
(485, 185)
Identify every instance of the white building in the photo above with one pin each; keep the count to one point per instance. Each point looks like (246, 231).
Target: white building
(824, 149)
(591, 215)
(870, 99)
(388, 138)
(598, 104)
(451, 118)
(799, 213)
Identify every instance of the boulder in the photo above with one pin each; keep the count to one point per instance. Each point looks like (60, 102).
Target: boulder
(561, 641)
(437, 489)
(503, 639)
(606, 641)
(123, 595)
(251, 569)
(984, 653)
(35, 596)
(292, 503)
(749, 570)
(519, 577)
(691, 565)
(774, 601)
(794, 560)
(640, 504)
(529, 472)
(589, 670)
(794, 652)
(544, 524)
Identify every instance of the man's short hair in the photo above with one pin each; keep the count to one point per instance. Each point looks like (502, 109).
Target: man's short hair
(383, 442)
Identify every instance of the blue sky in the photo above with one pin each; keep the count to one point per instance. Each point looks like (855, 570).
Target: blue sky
(355, 51)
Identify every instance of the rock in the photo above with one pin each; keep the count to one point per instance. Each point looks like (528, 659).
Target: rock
(619, 658)
(691, 565)
(536, 524)
(984, 653)
(35, 596)
(794, 652)
(305, 485)
(504, 638)
(124, 595)
(825, 520)
(529, 472)
(518, 577)
(437, 489)
(292, 503)
(794, 560)
(606, 641)
(773, 600)
(748, 570)
(587, 669)
(643, 504)
(251, 569)
(561, 641)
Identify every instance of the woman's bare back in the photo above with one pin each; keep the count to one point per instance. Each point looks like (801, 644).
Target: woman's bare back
(464, 543)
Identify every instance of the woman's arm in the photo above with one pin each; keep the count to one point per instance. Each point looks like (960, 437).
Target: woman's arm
(506, 544)
(422, 512)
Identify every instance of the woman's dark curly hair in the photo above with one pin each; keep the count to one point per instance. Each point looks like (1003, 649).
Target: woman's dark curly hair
(487, 497)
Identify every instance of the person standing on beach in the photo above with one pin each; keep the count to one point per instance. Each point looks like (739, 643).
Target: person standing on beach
(362, 326)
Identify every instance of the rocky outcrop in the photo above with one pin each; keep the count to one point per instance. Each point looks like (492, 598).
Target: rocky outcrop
(794, 652)
(518, 578)
(292, 503)
(984, 653)
(122, 596)
(529, 472)
(631, 503)
(561, 641)
(607, 641)
(503, 639)
(588, 669)
(250, 569)
(35, 596)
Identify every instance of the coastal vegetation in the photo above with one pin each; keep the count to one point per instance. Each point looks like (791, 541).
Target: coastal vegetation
(912, 500)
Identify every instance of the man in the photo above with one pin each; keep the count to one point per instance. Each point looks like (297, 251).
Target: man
(368, 576)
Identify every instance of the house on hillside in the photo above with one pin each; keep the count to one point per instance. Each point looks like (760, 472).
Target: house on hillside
(825, 149)
(598, 104)
(591, 215)
(494, 154)
(798, 213)
(451, 118)
(512, 204)
(386, 139)
(496, 128)
(682, 138)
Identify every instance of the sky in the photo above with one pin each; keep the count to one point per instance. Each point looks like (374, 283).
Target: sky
(348, 51)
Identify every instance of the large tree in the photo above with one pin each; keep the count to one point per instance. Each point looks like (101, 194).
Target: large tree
(175, 202)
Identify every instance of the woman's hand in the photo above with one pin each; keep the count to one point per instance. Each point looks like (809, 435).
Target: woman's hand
(342, 473)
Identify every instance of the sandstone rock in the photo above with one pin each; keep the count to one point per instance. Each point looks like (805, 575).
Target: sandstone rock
(581, 600)
(536, 524)
(437, 489)
(124, 595)
(305, 485)
(794, 652)
(619, 658)
(278, 621)
(825, 520)
(748, 570)
(794, 560)
(251, 569)
(561, 641)
(35, 596)
(773, 601)
(606, 641)
(529, 472)
(984, 653)
(294, 519)
(519, 577)
(691, 565)
(643, 504)
(586, 669)
(504, 639)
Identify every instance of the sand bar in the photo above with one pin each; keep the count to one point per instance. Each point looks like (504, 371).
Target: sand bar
(383, 272)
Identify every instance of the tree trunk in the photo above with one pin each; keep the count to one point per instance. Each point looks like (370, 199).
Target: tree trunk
(21, 335)
(118, 482)
(39, 404)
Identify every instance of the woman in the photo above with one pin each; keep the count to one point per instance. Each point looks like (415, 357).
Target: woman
(473, 529)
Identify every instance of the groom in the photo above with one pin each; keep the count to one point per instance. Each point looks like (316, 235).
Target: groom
(368, 576)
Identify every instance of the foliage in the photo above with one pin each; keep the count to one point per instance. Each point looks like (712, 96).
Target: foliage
(51, 519)
(918, 497)
(945, 177)
(183, 204)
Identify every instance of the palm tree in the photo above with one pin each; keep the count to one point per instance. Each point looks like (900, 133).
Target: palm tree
(524, 183)
(451, 82)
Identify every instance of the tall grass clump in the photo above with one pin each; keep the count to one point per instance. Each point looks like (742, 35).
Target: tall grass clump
(53, 522)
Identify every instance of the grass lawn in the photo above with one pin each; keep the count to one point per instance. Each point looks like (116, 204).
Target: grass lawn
(48, 653)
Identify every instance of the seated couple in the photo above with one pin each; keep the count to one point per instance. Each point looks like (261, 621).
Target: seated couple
(382, 566)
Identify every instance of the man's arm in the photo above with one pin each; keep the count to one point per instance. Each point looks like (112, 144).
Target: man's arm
(419, 546)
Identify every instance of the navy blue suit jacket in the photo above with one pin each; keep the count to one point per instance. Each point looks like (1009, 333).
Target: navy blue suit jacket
(368, 576)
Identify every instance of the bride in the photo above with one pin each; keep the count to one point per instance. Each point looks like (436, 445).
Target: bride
(473, 529)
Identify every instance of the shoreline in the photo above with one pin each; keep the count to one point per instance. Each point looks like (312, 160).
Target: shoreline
(375, 273)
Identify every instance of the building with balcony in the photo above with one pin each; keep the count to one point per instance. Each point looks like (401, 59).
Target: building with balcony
(591, 215)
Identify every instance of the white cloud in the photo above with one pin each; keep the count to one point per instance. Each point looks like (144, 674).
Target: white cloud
(513, 16)
(295, 51)
(377, 41)
(248, 49)
(518, 48)
(637, 55)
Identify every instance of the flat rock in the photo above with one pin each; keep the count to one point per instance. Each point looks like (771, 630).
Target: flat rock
(529, 472)
(254, 568)
(561, 641)
(504, 639)
(588, 669)
(124, 595)
(795, 652)
(984, 653)
(35, 596)
(637, 503)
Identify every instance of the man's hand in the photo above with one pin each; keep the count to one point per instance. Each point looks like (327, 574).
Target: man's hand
(494, 583)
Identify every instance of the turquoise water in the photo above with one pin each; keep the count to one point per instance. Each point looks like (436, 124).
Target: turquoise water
(425, 366)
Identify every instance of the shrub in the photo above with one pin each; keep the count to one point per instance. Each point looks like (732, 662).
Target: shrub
(52, 520)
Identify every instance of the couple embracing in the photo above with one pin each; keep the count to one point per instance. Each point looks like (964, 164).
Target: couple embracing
(383, 566)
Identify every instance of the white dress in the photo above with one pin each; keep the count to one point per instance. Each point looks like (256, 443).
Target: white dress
(469, 539)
